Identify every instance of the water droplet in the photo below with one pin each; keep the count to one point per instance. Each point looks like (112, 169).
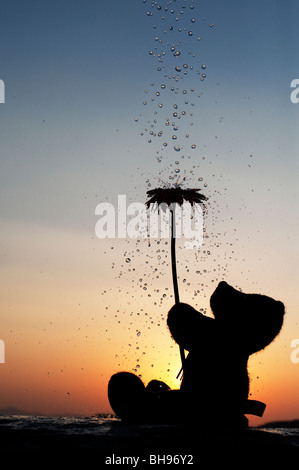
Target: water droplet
(193, 146)
(174, 137)
(177, 170)
(160, 105)
(203, 66)
(128, 260)
(178, 69)
(177, 148)
(190, 33)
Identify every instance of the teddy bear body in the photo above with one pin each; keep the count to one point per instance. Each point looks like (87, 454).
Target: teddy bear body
(215, 371)
(215, 383)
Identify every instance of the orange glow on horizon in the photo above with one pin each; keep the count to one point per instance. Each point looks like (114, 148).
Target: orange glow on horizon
(67, 332)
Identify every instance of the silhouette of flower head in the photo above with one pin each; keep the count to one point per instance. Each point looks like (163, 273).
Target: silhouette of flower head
(174, 194)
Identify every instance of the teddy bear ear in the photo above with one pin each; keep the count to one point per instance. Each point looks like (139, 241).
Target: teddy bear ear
(222, 283)
(280, 307)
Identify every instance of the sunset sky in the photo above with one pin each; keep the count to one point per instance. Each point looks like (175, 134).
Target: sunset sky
(90, 91)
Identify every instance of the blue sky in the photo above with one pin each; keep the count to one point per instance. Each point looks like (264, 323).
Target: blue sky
(77, 74)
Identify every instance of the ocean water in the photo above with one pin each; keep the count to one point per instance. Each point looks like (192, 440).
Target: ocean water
(96, 425)
(110, 438)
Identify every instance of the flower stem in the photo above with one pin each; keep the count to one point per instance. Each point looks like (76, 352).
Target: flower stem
(173, 259)
(174, 277)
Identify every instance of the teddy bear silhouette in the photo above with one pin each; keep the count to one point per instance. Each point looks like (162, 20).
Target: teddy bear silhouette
(215, 382)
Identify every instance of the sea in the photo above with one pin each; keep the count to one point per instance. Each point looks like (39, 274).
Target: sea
(143, 446)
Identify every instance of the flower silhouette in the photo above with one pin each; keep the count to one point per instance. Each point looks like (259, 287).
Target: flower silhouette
(175, 195)
(168, 196)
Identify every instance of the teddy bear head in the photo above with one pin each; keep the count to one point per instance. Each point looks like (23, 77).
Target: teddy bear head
(254, 318)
